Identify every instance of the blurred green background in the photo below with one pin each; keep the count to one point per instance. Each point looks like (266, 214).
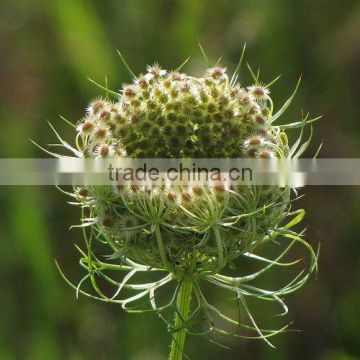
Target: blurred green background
(48, 48)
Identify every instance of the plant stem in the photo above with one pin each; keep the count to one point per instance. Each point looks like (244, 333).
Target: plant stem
(220, 248)
(161, 248)
(183, 305)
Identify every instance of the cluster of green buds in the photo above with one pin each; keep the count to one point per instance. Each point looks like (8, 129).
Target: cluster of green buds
(191, 232)
(171, 114)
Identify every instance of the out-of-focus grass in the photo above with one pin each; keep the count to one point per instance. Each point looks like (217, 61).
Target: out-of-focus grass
(48, 48)
(82, 38)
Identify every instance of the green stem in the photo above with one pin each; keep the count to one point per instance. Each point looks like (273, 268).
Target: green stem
(160, 244)
(183, 305)
(220, 249)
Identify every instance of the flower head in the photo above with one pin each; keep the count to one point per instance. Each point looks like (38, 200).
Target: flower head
(192, 232)
(259, 92)
(154, 72)
(254, 142)
(216, 73)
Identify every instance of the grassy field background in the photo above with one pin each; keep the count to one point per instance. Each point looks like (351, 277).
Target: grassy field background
(47, 50)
